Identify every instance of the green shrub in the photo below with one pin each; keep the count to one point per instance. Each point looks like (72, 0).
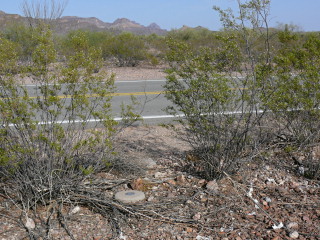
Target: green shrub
(42, 158)
(127, 48)
(205, 98)
(293, 89)
(217, 91)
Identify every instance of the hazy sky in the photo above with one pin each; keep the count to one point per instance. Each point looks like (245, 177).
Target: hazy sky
(171, 14)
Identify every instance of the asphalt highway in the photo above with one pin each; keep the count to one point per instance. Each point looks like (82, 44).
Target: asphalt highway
(148, 93)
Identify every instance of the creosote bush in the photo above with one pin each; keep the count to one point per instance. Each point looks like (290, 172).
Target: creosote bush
(216, 90)
(252, 88)
(127, 48)
(58, 133)
(207, 98)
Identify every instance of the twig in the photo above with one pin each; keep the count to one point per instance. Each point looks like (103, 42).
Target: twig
(256, 204)
(63, 223)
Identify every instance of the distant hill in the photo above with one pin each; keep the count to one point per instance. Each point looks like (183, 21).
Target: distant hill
(68, 23)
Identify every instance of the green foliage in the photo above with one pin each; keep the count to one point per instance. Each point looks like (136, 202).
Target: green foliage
(41, 155)
(196, 37)
(206, 97)
(293, 93)
(127, 48)
(217, 88)
(22, 36)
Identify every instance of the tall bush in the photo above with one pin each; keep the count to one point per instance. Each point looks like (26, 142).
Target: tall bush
(127, 48)
(217, 91)
(57, 133)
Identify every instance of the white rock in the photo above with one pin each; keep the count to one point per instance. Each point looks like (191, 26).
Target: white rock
(30, 224)
(202, 238)
(197, 216)
(278, 226)
(268, 200)
(151, 198)
(212, 186)
(292, 225)
(75, 210)
(294, 235)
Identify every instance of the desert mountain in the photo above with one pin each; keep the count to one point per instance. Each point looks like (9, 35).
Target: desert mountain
(68, 23)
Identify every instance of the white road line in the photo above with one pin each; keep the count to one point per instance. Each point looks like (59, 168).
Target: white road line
(120, 119)
(115, 82)
(139, 81)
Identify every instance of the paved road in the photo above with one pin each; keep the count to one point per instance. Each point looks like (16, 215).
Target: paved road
(149, 94)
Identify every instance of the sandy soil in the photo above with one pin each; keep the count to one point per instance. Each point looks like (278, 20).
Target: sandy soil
(137, 73)
(266, 200)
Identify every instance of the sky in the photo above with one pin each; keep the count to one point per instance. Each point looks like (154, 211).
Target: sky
(173, 14)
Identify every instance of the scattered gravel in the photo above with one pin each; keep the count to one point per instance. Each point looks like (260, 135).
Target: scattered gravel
(185, 206)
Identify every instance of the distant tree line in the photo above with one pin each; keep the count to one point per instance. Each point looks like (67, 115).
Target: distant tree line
(128, 49)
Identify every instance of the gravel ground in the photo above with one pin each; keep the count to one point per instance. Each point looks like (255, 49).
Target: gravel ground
(127, 73)
(137, 73)
(266, 200)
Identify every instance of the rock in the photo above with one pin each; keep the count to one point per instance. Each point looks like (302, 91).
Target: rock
(202, 238)
(293, 225)
(212, 186)
(30, 224)
(268, 200)
(294, 235)
(189, 230)
(140, 184)
(151, 198)
(197, 216)
(202, 182)
(75, 210)
(181, 179)
(203, 199)
(276, 238)
(171, 195)
(171, 182)
(148, 163)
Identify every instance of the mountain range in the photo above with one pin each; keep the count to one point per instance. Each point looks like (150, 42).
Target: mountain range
(69, 23)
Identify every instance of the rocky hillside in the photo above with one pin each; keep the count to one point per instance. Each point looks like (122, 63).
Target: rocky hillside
(65, 24)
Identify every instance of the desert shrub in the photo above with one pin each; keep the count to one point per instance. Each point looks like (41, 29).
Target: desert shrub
(37, 147)
(221, 112)
(21, 35)
(196, 37)
(206, 98)
(94, 39)
(292, 92)
(58, 133)
(127, 48)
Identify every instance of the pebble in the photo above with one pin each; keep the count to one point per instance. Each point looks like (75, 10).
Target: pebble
(292, 225)
(196, 217)
(294, 235)
(151, 198)
(212, 186)
(30, 224)
(159, 175)
(171, 182)
(268, 200)
(75, 210)
(202, 182)
(181, 179)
